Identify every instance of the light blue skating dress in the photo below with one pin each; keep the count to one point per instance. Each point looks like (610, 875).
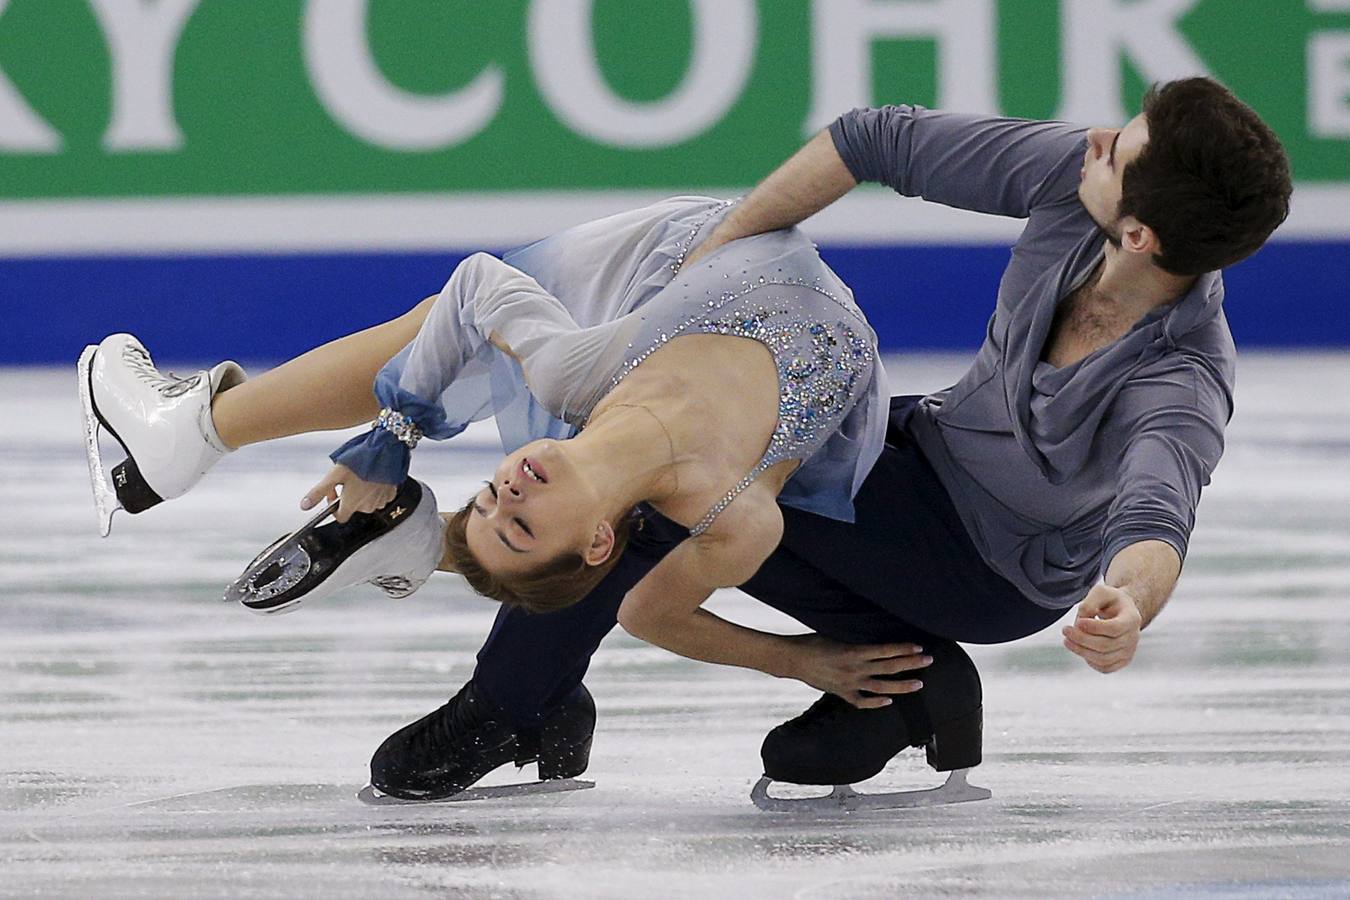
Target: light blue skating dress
(584, 308)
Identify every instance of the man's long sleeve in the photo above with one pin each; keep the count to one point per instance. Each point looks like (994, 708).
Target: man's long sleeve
(982, 163)
(1175, 445)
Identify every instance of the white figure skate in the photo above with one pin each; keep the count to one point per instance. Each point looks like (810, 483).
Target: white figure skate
(396, 548)
(162, 422)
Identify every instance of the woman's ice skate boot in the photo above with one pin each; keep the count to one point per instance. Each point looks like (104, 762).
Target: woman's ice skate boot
(835, 743)
(396, 548)
(441, 755)
(162, 422)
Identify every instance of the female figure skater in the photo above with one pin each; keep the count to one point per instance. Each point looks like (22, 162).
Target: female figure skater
(618, 379)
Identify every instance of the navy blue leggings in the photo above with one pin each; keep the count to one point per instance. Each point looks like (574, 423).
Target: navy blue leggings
(906, 570)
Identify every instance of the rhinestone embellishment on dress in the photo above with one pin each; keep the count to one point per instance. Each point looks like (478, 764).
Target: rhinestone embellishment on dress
(822, 362)
(678, 262)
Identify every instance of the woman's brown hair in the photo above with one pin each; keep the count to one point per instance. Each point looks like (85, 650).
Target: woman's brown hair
(554, 585)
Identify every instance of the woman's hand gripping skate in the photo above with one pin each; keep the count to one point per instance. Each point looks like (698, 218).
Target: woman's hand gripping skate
(357, 495)
(857, 672)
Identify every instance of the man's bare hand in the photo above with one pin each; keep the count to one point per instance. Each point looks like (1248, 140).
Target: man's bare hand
(357, 494)
(849, 670)
(1106, 630)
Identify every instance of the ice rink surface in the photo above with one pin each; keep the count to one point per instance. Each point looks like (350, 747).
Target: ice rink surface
(158, 743)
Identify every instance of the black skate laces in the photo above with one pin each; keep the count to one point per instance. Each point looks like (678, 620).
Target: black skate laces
(138, 360)
(454, 721)
(834, 708)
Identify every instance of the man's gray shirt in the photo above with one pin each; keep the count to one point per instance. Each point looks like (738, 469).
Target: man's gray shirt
(1054, 471)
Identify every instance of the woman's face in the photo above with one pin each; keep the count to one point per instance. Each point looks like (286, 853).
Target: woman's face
(534, 509)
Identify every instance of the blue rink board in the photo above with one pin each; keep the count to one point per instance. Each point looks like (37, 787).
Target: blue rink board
(264, 308)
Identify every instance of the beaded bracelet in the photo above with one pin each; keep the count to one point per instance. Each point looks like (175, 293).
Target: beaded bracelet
(399, 425)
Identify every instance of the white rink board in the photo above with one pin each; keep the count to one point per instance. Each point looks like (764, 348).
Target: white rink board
(157, 743)
(365, 223)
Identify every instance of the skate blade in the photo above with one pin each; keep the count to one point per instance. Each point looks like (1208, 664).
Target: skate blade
(279, 580)
(248, 592)
(844, 799)
(371, 796)
(234, 590)
(105, 498)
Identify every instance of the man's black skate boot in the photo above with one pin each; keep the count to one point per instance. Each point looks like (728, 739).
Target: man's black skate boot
(834, 742)
(445, 752)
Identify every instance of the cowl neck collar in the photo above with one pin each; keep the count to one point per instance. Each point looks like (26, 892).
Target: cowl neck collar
(1050, 406)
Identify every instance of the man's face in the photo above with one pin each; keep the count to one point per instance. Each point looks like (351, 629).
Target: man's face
(1109, 151)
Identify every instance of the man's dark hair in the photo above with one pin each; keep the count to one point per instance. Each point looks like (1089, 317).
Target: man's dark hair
(1212, 181)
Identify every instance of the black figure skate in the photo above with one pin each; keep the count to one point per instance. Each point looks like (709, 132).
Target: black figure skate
(163, 423)
(835, 743)
(396, 548)
(440, 756)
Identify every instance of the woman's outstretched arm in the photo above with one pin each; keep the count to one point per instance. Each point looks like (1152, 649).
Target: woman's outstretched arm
(664, 609)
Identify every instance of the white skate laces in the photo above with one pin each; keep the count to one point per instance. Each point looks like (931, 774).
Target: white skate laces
(138, 362)
(220, 378)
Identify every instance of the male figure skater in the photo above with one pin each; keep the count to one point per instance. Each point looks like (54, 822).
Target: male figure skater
(1063, 469)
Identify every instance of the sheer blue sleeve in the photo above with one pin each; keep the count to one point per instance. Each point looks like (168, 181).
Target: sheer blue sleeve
(380, 454)
(486, 309)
